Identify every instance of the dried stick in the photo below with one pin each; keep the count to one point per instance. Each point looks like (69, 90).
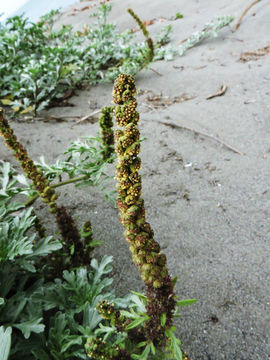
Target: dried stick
(86, 117)
(174, 126)
(244, 13)
(220, 92)
(155, 71)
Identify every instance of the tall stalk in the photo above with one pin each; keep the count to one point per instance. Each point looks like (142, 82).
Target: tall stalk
(149, 41)
(145, 250)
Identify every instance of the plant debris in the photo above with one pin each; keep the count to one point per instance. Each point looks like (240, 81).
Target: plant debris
(244, 13)
(220, 92)
(254, 55)
(158, 101)
(197, 132)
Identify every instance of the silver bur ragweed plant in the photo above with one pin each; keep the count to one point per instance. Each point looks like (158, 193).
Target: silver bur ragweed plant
(145, 331)
(40, 66)
(73, 317)
(145, 250)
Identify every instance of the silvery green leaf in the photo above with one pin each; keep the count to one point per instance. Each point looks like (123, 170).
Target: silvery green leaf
(33, 325)
(5, 342)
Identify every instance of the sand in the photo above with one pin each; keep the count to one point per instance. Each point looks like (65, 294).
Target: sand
(209, 206)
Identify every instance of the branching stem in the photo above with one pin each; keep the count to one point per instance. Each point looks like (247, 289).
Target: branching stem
(53, 186)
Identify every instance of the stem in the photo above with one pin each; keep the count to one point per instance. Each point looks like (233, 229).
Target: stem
(53, 186)
(244, 13)
(145, 250)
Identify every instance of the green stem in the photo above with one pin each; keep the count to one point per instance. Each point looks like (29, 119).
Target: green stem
(53, 186)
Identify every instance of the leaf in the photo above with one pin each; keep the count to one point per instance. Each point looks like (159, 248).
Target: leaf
(177, 352)
(5, 342)
(176, 349)
(174, 344)
(174, 280)
(40, 354)
(128, 314)
(91, 318)
(29, 326)
(163, 319)
(72, 340)
(153, 349)
(186, 302)
(141, 344)
(135, 323)
(6, 101)
(28, 109)
(22, 179)
(140, 295)
(45, 246)
(179, 15)
(2, 301)
(138, 303)
(145, 353)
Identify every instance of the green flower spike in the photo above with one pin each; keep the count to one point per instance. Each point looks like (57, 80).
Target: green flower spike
(145, 250)
(106, 124)
(145, 32)
(70, 234)
(40, 182)
(98, 349)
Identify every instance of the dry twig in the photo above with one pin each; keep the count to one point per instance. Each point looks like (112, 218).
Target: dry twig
(155, 71)
(197, 132)
(244, 13)
(254, 55)
(220, 92)
(86, 117)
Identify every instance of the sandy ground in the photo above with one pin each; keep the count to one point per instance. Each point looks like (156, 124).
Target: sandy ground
(209, 206)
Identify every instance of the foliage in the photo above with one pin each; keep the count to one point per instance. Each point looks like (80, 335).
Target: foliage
(209, 30)
(179, 15)
(83, 165)
(48, 320)
(62, 319)
(5, 340)
(38, 63)
(117, 338)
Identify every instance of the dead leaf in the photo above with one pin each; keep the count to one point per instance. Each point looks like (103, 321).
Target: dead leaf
(27, 110)
(85, 8)
(148, 22)
(158, 100)
(221, 92)
(178, 67)
(6, 101)
(200, 67)
(254, 55)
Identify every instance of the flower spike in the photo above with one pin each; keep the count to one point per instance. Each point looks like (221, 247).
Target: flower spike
(70, 234)
(106, 124)
(145, 250)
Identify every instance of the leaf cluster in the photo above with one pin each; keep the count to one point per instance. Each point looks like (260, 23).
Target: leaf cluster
(41, 319)
(134, 319)
(45, 320)
(39, 63)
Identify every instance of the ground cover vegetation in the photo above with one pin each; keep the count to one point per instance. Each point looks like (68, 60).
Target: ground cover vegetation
(56, 300)
(41, 65)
